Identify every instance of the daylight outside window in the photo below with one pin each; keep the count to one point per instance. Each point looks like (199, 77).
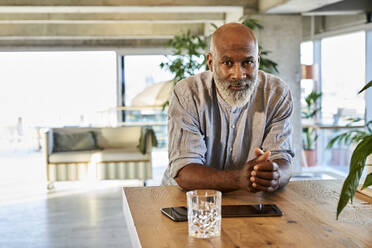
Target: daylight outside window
(342, 76)
(144, 78)
(54, 89)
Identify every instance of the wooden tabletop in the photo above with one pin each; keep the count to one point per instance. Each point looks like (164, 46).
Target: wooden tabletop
(309, 218)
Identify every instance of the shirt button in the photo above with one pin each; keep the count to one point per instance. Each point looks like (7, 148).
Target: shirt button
(230, 149)
(233, 126)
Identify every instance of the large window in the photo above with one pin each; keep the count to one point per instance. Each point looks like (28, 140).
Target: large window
(343, 75)
(147, 88)
(307, 84)
(45, 89)
(141, 71)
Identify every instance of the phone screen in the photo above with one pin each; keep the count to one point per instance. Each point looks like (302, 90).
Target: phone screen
(258, 210)
(176, 213)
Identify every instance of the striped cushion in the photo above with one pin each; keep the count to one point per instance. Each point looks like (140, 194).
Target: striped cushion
(100, 171)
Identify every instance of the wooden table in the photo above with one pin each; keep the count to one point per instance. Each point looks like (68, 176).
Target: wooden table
(309, 218)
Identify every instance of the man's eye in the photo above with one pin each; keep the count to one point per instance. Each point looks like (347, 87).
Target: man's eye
(248, 62)
(228, 62)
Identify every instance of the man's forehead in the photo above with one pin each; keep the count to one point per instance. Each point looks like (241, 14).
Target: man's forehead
(233, 37)
(232, 49)
(225, 42)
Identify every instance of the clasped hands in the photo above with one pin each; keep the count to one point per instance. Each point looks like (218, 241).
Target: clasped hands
(260, 174)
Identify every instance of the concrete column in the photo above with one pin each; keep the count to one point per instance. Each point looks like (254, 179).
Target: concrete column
(282, 36)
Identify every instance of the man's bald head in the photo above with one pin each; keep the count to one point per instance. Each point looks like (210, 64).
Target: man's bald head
(234, 60)
(232, 35)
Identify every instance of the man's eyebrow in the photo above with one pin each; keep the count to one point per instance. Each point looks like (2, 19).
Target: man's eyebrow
(226, 58)
(249, 58)
(246, 58)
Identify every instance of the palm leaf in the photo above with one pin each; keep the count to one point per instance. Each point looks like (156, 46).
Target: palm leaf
(358, 160)
(347, 138)
(214, 25)
(251, 23)
(339, 139)
(368, 181)
(366, 87)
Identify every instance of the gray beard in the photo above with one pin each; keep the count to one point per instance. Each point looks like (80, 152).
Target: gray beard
(235, 98)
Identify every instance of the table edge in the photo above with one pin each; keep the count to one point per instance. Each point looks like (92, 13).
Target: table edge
(133, 235)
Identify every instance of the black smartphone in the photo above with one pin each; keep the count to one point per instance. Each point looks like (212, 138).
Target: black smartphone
(176, 213)
(258, 210)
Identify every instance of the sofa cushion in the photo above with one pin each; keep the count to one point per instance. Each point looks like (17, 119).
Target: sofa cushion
(128, 154)
(82, 141)
(119, 137)
(71, 157)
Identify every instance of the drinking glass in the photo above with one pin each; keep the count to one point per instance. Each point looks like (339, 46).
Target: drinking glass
(204, 213)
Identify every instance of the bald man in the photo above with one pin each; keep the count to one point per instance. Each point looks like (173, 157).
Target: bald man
(229, 127)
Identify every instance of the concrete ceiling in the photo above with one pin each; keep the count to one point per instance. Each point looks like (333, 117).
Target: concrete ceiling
(127, 23)
(111, 22)
(292, 6)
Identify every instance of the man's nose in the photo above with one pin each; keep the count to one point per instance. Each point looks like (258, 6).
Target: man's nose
(238, 73)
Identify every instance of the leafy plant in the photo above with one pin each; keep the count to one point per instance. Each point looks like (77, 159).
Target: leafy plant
(352, 136)
(188, 57)
(189, 54)
(358, 162)
(309, 112)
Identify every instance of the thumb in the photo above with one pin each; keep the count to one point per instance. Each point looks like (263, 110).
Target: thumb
(258, 151)
(263, 157)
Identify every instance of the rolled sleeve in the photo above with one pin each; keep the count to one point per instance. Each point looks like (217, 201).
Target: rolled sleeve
(186, 142)
(278, 132)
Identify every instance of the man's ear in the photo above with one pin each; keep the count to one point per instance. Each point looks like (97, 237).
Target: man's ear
(210, 61)
(259, 58)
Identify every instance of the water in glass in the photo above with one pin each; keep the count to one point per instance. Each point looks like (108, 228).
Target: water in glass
(204, 213)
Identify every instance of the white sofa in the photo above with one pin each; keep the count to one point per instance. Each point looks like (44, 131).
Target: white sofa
(116, 157)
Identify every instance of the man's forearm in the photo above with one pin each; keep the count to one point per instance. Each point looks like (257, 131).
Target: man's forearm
(196, 176)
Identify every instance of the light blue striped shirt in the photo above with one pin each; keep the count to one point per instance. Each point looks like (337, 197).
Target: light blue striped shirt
(204, 129)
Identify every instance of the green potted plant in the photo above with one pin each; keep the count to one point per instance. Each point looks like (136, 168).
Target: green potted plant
(363, 139)
(309, 133)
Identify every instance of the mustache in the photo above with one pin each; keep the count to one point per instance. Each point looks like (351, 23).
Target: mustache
(239, 83)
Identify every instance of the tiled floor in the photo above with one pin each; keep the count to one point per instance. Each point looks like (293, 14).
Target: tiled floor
(75, 214)
(87, 219)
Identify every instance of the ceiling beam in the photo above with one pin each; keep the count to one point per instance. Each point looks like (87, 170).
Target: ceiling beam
(199, 17)
(118, 9)
(346, 7)
(241, 3)
(109, 30)
(79, 44)
(291, 6)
